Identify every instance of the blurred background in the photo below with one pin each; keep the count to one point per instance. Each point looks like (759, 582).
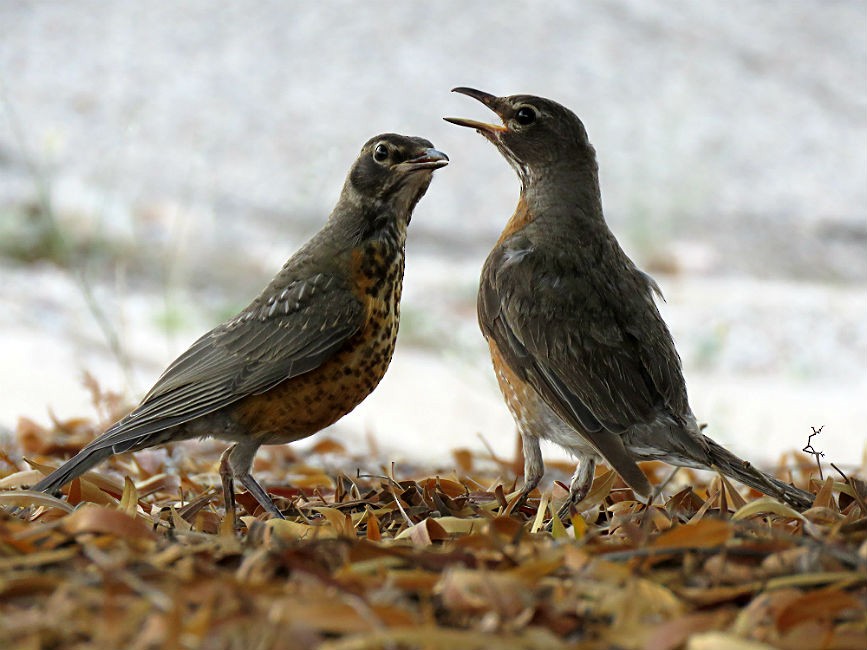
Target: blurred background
(159, 161)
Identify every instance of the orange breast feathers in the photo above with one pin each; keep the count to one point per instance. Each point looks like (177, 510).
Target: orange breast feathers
(520, 218)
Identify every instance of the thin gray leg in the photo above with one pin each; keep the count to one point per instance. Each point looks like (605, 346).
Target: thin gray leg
(534, 467)
(228, 484)
(582, 480)
(238, 460)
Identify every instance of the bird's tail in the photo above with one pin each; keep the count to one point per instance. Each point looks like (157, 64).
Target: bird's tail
(740, 470)
(73, 468)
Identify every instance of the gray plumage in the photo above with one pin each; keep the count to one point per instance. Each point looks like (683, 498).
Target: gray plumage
(582, 353)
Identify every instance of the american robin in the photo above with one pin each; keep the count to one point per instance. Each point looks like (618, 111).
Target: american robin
(308, 349)
(580, 351)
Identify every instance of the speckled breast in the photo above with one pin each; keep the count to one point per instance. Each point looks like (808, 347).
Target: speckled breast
(305, 404)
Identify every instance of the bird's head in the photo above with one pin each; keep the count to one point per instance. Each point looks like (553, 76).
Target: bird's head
(535, 134)
(394, 171)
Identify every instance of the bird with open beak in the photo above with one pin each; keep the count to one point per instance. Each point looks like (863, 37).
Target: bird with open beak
(580, 351)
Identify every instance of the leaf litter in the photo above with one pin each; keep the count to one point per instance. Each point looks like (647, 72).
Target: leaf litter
(138, 554)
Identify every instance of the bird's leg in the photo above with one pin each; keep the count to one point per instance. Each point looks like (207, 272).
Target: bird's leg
(582, 480)
(239, 460)
(534, 468)
(228, 484)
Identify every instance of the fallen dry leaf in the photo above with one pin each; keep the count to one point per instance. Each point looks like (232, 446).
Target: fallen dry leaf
(97, 519)
(138, 554)
(702, 534)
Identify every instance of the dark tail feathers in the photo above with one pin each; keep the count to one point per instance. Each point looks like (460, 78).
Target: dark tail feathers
(741, 470)
(73, 468)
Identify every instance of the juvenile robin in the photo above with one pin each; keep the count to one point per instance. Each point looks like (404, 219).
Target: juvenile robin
(313, 344)
(580, 351)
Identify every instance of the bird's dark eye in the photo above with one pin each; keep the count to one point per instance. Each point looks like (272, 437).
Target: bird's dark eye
(525, 116)
(380, 152)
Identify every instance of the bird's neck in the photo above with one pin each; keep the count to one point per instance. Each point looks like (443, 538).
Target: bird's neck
(386, 227)
(356, 222)
(565, 194)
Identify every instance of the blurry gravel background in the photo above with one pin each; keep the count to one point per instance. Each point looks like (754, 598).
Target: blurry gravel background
(161, 160)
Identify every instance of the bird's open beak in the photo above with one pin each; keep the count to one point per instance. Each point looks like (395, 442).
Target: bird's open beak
(429, 159)
(496, 104)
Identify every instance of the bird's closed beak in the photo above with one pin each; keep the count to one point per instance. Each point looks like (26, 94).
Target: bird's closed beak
(429, 159)
(493, 102)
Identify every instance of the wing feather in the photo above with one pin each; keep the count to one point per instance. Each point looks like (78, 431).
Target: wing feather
(602, 367)
(267, 343)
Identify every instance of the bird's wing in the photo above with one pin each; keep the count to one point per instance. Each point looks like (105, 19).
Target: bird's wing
(290, 333)
(602, 367)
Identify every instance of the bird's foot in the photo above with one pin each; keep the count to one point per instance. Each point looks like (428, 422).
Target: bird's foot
(569, 509)
(235, 465)
(520, 501)
(260, 495)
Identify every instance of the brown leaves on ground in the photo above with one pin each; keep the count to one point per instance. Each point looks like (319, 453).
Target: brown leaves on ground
(421, 558)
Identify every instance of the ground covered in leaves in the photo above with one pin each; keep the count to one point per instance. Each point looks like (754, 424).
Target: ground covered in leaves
(414, 557)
